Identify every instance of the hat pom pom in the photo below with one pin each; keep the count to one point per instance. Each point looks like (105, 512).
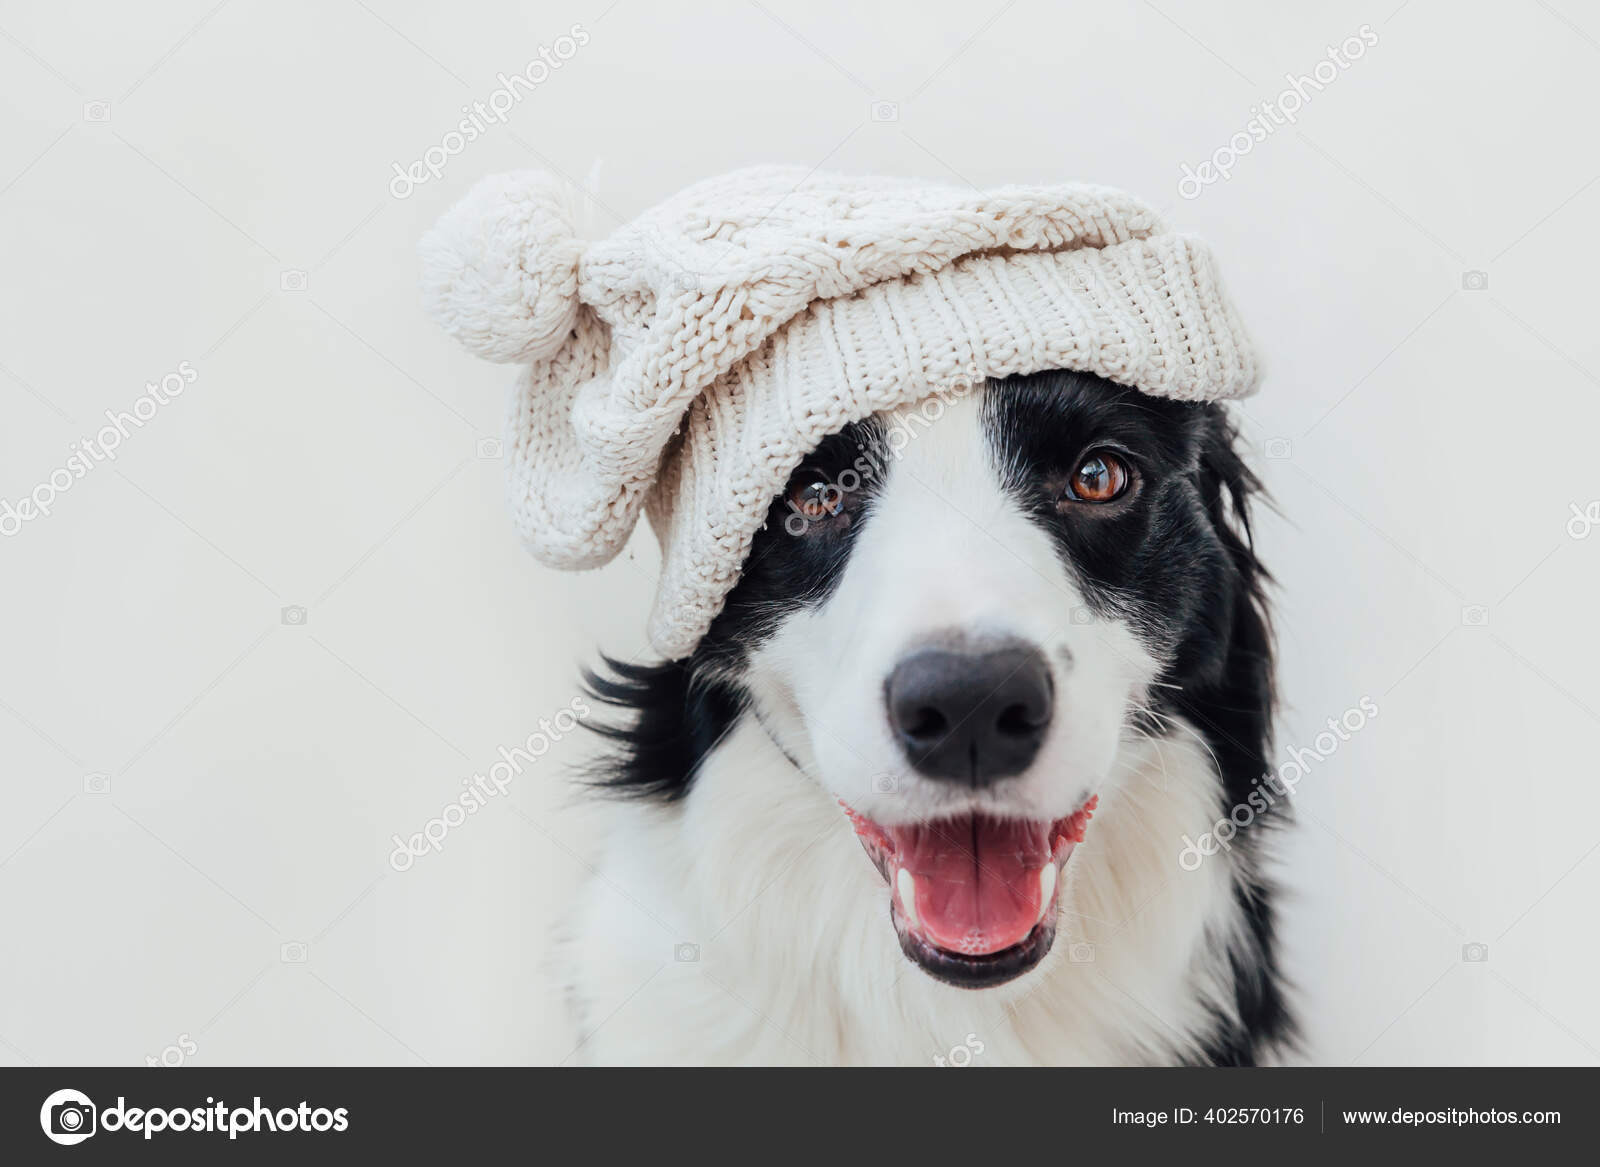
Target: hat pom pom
(500, 268)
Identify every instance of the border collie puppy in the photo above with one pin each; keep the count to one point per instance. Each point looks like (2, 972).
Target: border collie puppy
(921, 793)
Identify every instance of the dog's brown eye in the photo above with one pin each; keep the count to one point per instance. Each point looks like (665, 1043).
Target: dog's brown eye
(1101, 477)
(816, 498)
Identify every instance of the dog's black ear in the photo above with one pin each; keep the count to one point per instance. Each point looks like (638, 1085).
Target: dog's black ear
(1234, 714)
(1234, 708)
(670, 723)
(1230, 489)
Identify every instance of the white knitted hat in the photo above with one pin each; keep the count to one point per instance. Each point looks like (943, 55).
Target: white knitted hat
(688, 363)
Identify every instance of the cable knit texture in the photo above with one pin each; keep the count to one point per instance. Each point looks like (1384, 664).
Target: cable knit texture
(689, 362)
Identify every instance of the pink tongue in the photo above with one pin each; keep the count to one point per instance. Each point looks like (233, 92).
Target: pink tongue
(977, 879)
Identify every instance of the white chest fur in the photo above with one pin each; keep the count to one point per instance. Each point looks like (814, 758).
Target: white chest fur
(745, 926)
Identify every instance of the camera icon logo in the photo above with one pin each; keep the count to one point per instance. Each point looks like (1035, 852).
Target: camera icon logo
(686, 281)
(1474, 281)
(97, 111)
(1475, 616)
(1081, 953)
(1475, 953)
(489, 449)
(1082, 615)
(686, 953)
(292, 280)
(295, 614)
(97, 783)
(885, 111)
(292, 952)
(885, 783)
(68, 1117)
(1278, 449)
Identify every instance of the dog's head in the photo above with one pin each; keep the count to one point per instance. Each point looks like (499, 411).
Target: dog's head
(957, 616)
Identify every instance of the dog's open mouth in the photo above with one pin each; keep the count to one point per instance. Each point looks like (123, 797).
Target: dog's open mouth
(974, 897)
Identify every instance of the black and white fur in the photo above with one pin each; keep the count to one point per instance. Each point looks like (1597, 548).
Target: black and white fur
(733, 917)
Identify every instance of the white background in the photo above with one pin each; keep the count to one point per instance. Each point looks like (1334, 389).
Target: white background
(328, 456)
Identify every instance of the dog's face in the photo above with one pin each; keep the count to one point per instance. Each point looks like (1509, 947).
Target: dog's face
(955, 618)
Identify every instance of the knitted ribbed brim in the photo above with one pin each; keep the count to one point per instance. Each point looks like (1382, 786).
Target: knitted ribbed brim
(716, 341)
(1128, 313)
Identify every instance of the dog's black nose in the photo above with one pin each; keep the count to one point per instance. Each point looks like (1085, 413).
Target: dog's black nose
(971, 716)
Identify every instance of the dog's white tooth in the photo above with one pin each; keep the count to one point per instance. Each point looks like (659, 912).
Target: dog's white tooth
(1047, 888)
(908, 896)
